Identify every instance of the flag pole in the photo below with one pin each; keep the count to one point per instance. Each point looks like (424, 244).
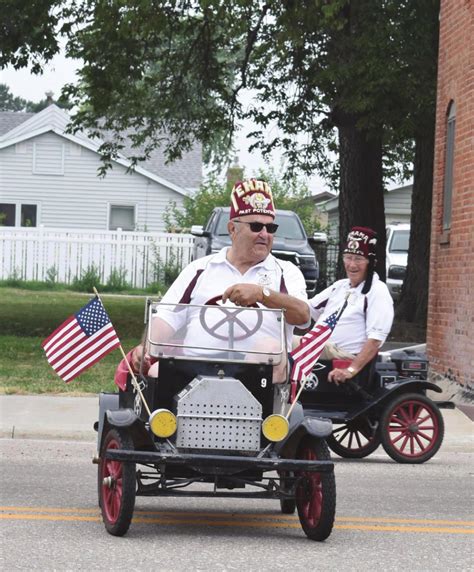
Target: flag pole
(134, 379)
(303, 384)
(295, 401)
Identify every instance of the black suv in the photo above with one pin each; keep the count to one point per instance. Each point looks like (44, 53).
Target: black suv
(290, 242)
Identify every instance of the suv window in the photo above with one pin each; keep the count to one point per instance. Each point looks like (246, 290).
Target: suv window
(400, 240)
(289, 227)
(221, 227)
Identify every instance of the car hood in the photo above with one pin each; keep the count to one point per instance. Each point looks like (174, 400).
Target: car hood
(290, 244)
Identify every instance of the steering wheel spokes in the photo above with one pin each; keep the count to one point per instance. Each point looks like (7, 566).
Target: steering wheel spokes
(225, 328)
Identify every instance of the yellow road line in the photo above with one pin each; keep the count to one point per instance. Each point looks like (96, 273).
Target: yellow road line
(214, 515)
(271, 523)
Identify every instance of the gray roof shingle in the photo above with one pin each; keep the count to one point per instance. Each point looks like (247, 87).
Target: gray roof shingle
(186, 173)
(11, 119)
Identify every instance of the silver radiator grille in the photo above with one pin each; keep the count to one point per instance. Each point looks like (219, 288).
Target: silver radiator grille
(216, 413)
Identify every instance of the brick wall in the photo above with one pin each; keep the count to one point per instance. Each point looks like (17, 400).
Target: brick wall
(450, 334)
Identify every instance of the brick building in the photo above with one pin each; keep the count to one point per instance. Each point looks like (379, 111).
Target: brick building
(451, 295)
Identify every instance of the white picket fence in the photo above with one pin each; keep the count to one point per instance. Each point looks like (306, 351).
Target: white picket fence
(36, 253)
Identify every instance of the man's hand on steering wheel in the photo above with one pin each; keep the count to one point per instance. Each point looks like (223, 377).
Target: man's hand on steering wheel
(243, 294)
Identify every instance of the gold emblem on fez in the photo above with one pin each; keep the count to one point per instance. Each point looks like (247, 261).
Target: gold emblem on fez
(257, 201)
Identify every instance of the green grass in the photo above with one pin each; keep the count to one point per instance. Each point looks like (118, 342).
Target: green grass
(27, 317)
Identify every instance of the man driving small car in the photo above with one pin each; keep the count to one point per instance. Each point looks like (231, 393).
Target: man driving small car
(368, 315)
(246, 274)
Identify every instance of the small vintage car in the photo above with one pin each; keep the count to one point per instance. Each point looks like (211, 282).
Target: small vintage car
(212, 423)
(386, 403)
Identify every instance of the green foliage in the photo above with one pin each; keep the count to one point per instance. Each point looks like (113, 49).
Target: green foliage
(8, 102)
(198, 207)
(14, 279)
(89, 278)
(166, 271)
(178, 68)
(289, 193)
(52, 275)
(117, 281)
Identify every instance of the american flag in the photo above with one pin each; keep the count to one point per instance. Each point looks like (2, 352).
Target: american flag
(81, 341)
(312, 344)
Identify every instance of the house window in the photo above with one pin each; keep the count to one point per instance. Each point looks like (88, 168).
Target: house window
(448, 166)
(28, 215)
(17, 214)
(7, 214)
(122, 216)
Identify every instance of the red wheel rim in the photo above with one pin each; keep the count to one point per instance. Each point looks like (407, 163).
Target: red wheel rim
(413, 428)
(310, 492)
(112, 493)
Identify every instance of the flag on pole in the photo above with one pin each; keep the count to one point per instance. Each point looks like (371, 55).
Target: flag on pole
(312, 344)
(81, 341)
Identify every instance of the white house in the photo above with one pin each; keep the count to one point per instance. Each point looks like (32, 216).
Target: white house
(50, 178)
(397, 208)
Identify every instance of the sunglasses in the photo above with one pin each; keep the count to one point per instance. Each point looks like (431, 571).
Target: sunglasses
(259, 226)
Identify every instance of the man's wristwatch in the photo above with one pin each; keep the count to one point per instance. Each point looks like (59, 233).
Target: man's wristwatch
(351, 370)
(265, 293)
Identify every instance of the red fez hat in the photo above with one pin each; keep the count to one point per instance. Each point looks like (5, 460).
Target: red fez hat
(251, 197)
(361, 240)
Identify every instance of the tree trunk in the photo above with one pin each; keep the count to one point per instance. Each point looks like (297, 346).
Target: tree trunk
(413, 304)
(361, 201)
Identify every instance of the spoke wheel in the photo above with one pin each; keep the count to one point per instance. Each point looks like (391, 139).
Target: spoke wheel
(315, 492)
(354, 440)
(117, 485)
(412, 429)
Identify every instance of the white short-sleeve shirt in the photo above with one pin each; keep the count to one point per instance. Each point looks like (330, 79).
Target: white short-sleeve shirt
(217, 274)
(366, 316)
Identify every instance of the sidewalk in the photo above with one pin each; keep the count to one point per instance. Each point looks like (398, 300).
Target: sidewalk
(72, 418)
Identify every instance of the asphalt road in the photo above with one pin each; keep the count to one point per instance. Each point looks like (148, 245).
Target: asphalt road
(389, 517)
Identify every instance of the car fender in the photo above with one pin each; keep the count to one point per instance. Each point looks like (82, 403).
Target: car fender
(107, 402)
(313, 426)
(111, 415)
(392, 390)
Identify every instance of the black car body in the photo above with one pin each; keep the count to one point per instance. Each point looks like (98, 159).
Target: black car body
(290, 242)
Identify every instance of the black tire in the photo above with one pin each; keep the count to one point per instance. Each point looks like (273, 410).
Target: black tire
(411, 428)
(315, 492)
(354, 440)
(117, 484)
(287, 506)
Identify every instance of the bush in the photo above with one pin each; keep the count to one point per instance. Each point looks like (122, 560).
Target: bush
(14, 280)
(89, 279)
(52, 276)
(117, 281)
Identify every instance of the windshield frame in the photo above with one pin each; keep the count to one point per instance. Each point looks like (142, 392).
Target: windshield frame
(158, 349)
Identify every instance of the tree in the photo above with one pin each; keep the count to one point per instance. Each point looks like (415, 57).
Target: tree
(418, 34)
(8, 102)
(324, 75)
(287, 194)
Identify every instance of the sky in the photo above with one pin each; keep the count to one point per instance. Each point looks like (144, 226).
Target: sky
(61, 71)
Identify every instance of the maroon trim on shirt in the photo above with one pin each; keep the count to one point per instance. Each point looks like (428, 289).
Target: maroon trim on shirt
(186, 297)
(283, 289)
(322, 304)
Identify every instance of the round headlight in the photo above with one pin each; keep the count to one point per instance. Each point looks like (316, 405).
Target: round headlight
(275, 427)
(163, 423)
